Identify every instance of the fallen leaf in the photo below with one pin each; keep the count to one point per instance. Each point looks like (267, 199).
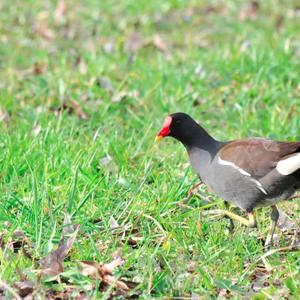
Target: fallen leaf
(19, 242)
(72, 107)
(69, 292)
(284, 222)
(118, 97)
(39, 68)
(223, 294)
(192, 266)
(117, 261)
(41, 27)
(6, 287)
(25, 288)
(259, 277)
(3, 116)
(105, 160)
(279, 22)
(36, 130)
(68, 227)
(196, 296)
(113, 224)
(199, 70)
(128, 235)
(52, 263)
(134, 240)
(134, 42)
(250, 12)
(159, 43)
(60, 11)
(208, 9)
(78, 110)
(18, 239)
(104, 272)
(82, 67)
(260, 282)
(105, 84)
(109, 46)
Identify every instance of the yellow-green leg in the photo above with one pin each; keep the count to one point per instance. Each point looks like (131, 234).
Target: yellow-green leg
(274, 220)
(249, 223)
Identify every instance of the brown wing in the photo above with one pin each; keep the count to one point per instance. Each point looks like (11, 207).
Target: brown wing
(257, 156)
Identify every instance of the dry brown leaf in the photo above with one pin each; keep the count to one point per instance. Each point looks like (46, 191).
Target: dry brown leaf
(284, 222)
(82, 67)
(18, 239)
(250, 12)
(52, 263)
(6, 287)
(68, 293)
(19, 242)
(113, 224)
(196, 296)
(68, 227)
(279, 22)
(109, 46)
(159, 43)
(117, 261)
(41, 27)
(72, 107)
(134, 42)
(105, 160)
(104, 272)
(259, 277)
(89, 268)
(3, 116)
(127, 234)
(39, 68)
(78, 110)
(134, 240)
(36, 130)
(35, 69)
(224, 293)
(60, 11)
(105, 84)
(118, 97)
(25, 288)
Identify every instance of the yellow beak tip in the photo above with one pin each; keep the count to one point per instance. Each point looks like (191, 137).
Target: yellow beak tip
(158, 138)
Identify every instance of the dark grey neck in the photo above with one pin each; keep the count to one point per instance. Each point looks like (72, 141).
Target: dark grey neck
(202, 150)
(197, 137)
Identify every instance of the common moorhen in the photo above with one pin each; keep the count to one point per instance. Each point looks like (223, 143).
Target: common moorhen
(249, 173)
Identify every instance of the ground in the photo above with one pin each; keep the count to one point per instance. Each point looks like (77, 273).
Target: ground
(85, 87)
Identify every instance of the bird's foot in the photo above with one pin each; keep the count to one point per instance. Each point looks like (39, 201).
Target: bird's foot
(251, 220)
(240, 219)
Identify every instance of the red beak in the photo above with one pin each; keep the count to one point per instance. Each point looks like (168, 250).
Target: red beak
(165, 131)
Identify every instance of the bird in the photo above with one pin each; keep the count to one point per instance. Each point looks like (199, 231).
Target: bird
(248, 173)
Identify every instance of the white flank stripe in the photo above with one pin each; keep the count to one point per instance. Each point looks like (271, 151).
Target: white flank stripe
(228, 163)
(259, 185)
(289, 165)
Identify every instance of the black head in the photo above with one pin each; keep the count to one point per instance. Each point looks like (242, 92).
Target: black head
(181, 127)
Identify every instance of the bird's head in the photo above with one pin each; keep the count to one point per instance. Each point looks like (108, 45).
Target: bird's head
(179, 126)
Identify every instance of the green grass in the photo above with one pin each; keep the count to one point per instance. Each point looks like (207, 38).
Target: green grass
(236, 72)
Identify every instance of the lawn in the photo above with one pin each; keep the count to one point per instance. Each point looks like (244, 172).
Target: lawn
(84, 89)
